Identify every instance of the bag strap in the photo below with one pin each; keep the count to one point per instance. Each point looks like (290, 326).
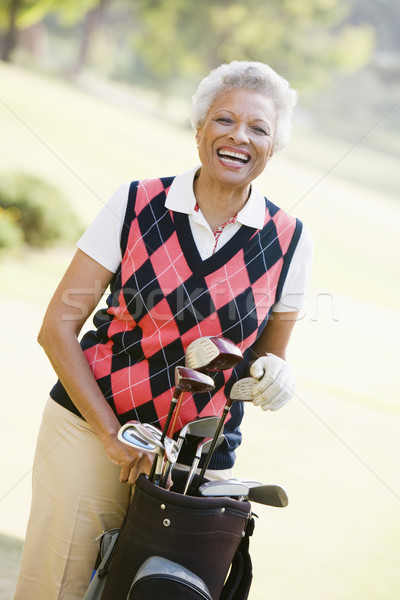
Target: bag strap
(237, 586)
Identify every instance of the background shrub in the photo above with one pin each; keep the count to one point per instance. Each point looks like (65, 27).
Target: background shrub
(11, 237)
(38, 209)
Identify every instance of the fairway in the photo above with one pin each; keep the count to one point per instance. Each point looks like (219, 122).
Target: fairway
(334, 447)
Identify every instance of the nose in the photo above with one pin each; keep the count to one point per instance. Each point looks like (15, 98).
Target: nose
(238, 134)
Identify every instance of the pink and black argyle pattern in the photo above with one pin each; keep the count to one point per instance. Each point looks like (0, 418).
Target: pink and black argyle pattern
(164, 296)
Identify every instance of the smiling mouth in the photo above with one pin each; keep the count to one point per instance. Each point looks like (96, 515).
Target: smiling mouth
(235, 158)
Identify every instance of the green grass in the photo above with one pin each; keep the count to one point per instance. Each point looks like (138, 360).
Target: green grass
(10, 555)
(335, 446)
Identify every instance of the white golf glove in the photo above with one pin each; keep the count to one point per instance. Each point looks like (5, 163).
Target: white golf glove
(276, 382)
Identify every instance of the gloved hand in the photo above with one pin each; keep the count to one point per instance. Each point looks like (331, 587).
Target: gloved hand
(276, 382)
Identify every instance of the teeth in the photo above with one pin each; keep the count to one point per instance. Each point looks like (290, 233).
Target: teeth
(238, 155)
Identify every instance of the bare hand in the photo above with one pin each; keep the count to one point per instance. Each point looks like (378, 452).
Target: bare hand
(132, 461)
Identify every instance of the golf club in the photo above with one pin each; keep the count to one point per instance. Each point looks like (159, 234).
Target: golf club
(202, 447)
(227, 487)
(137, 435)
(144, 430)
(186, 380)
(241, 391)
(270, 495)
(204, 427)
(130, 437)
(212, 354)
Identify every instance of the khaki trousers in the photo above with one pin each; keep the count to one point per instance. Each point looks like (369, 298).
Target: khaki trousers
(76, 495)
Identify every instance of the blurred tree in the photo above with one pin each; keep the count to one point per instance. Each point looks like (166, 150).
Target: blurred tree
(305, 40)
(16, 15)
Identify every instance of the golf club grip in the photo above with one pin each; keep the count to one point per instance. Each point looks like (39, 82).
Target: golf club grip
(212, 447)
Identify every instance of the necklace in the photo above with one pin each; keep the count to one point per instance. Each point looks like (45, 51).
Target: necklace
(217, 232)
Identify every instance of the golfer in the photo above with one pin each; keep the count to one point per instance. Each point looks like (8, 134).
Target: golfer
(203, 253)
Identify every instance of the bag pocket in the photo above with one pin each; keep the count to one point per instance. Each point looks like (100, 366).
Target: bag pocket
(162, 578)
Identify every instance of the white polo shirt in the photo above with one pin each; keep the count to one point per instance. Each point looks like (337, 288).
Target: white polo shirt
(101, 241)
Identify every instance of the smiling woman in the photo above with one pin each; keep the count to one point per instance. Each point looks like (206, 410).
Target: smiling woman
(203, 253)
(235, 143)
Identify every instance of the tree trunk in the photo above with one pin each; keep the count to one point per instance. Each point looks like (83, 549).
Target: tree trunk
(10, 37)
(92, 21)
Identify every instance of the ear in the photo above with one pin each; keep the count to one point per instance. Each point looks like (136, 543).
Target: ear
(198, 137)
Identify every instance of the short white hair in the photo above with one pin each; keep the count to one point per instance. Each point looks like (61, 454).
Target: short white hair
(249, 75)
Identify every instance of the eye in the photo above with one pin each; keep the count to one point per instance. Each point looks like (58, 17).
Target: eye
(224, 120)
(260, 130)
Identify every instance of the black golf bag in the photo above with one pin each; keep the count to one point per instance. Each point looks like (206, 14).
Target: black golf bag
(178, 547)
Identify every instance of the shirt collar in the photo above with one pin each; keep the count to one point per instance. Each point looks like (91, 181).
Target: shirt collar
(181, 198)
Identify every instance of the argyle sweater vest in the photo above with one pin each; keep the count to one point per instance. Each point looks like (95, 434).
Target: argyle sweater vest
(164, 296)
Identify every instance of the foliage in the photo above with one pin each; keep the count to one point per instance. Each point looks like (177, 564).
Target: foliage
(28, 12)
(38, 211)
(11, 236)
(306, 41)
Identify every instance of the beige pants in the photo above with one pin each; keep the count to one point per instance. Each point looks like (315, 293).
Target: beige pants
(76, 495)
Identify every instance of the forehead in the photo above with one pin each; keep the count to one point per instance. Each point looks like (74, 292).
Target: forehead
(244, 102)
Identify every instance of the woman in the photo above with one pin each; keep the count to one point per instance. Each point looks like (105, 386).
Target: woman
(203, 253)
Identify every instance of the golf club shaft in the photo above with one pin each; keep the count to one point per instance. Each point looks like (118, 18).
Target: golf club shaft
(191, 473)
(178, 405)
(227, 408)
(176, 395)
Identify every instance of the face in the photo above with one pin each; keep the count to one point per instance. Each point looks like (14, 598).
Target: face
(235, 141)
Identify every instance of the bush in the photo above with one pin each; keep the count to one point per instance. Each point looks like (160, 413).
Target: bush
(11, 237)
(38, 209)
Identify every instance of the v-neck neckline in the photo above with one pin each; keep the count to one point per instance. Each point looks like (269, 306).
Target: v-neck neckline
(216, 260)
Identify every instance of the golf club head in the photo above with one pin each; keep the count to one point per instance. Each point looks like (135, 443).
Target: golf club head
(137, 433)
(155, 430)
(249, 482)
(142, 429)
(205, 445)
(270, 495)
(228, 488)
(189, 380)
(203, 427)
(212, 354)
(171, 450)
(129, 436)
(241, 389)
(202, 448)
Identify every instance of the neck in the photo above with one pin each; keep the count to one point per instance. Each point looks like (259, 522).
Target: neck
(219, 203)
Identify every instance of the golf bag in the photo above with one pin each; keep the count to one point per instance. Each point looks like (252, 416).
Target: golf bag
(173, 546)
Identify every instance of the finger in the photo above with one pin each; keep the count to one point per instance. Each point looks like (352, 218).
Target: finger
(124, 474)
(134, 474)
(278, 404)
(143, 465)
(257, 369)
(268, 394)
(279, 399)
(272, 372)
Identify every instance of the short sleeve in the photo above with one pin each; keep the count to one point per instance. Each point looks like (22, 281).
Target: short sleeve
(102, 239)
(294, 292)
